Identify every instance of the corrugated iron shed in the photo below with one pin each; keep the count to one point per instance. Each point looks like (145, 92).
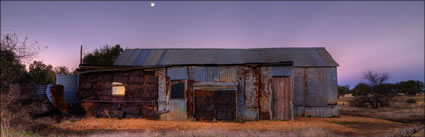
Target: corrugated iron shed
(301, 57)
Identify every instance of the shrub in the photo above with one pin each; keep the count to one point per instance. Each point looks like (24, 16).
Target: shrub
(411, 101)
(373, 101)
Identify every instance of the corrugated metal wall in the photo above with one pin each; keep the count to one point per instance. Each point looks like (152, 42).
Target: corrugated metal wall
(312, 88)
(177, 73)
(265, 88)
(280, 71)
(178, 110)
(327, 111)
(332, 86)
(251, 94)
(300, 85)
(240, 99)
(316, 87)
(228, 74)
(41, 91)
(205, 73)
(70, 83)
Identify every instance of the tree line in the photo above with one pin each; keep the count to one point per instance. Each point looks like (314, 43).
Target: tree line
(376, 92)
(16, 53)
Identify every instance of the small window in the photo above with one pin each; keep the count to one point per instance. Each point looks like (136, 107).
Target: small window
(177, 89)
(118, 89)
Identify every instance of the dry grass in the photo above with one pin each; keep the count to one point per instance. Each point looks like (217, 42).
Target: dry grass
(323, 126)
(16, 118)
(5, 127)
(308, 132)
(18, 122)
(399, 110)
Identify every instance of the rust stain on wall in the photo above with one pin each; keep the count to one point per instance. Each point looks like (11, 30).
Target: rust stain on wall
(251, 83)
(189, 96)
(265, 92)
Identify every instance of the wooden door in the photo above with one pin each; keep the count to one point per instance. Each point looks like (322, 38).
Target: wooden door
(282, 96)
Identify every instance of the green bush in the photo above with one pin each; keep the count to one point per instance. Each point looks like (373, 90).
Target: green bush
(411, 101)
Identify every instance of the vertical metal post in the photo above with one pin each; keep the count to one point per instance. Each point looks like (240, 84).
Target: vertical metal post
(81, 54)
(292, 111)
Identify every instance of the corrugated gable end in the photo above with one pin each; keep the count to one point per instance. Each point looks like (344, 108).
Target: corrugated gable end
(326, 57)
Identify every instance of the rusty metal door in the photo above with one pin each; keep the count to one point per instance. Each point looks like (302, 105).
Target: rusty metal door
(282, 96)
(219, 105)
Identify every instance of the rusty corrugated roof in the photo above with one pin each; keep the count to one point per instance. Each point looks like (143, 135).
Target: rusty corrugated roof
(186, 56)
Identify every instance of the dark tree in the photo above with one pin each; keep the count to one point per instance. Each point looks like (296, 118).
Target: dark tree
(61, 70)
(375, 92)
(13, 55)
(106, 55)
(411, 87)
(361, 89)
(342, 90)
(41, 73)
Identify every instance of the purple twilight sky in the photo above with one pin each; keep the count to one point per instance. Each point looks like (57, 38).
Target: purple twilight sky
(381, 36)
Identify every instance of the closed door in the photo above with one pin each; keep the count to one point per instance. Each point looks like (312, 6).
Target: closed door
(282, 96)
(219, 105)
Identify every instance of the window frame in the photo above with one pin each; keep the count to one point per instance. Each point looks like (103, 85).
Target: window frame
(183, 86)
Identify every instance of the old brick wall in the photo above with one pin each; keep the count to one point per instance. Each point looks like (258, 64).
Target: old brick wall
(141, 93)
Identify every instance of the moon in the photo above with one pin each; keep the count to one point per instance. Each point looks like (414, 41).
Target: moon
(152, 4)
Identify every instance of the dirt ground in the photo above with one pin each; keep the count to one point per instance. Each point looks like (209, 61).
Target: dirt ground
(352, 122)
(339, 126)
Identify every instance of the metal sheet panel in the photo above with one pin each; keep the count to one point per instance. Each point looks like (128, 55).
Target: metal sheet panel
(251, 94)
(153, 59)
(206, 73)
(251, 88)
(280, 71)
(316, 94)
(300, 85)
(215, 86)
(240, 100)
(250, 114)
(327, 111)
(178, 110)
(141, 57)
(158, 57)
(70, 83)
(40, 91)
(265, 88)
(177, 73)
(130, 57)
(228, 74)
(299, 111)
(332, 86)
